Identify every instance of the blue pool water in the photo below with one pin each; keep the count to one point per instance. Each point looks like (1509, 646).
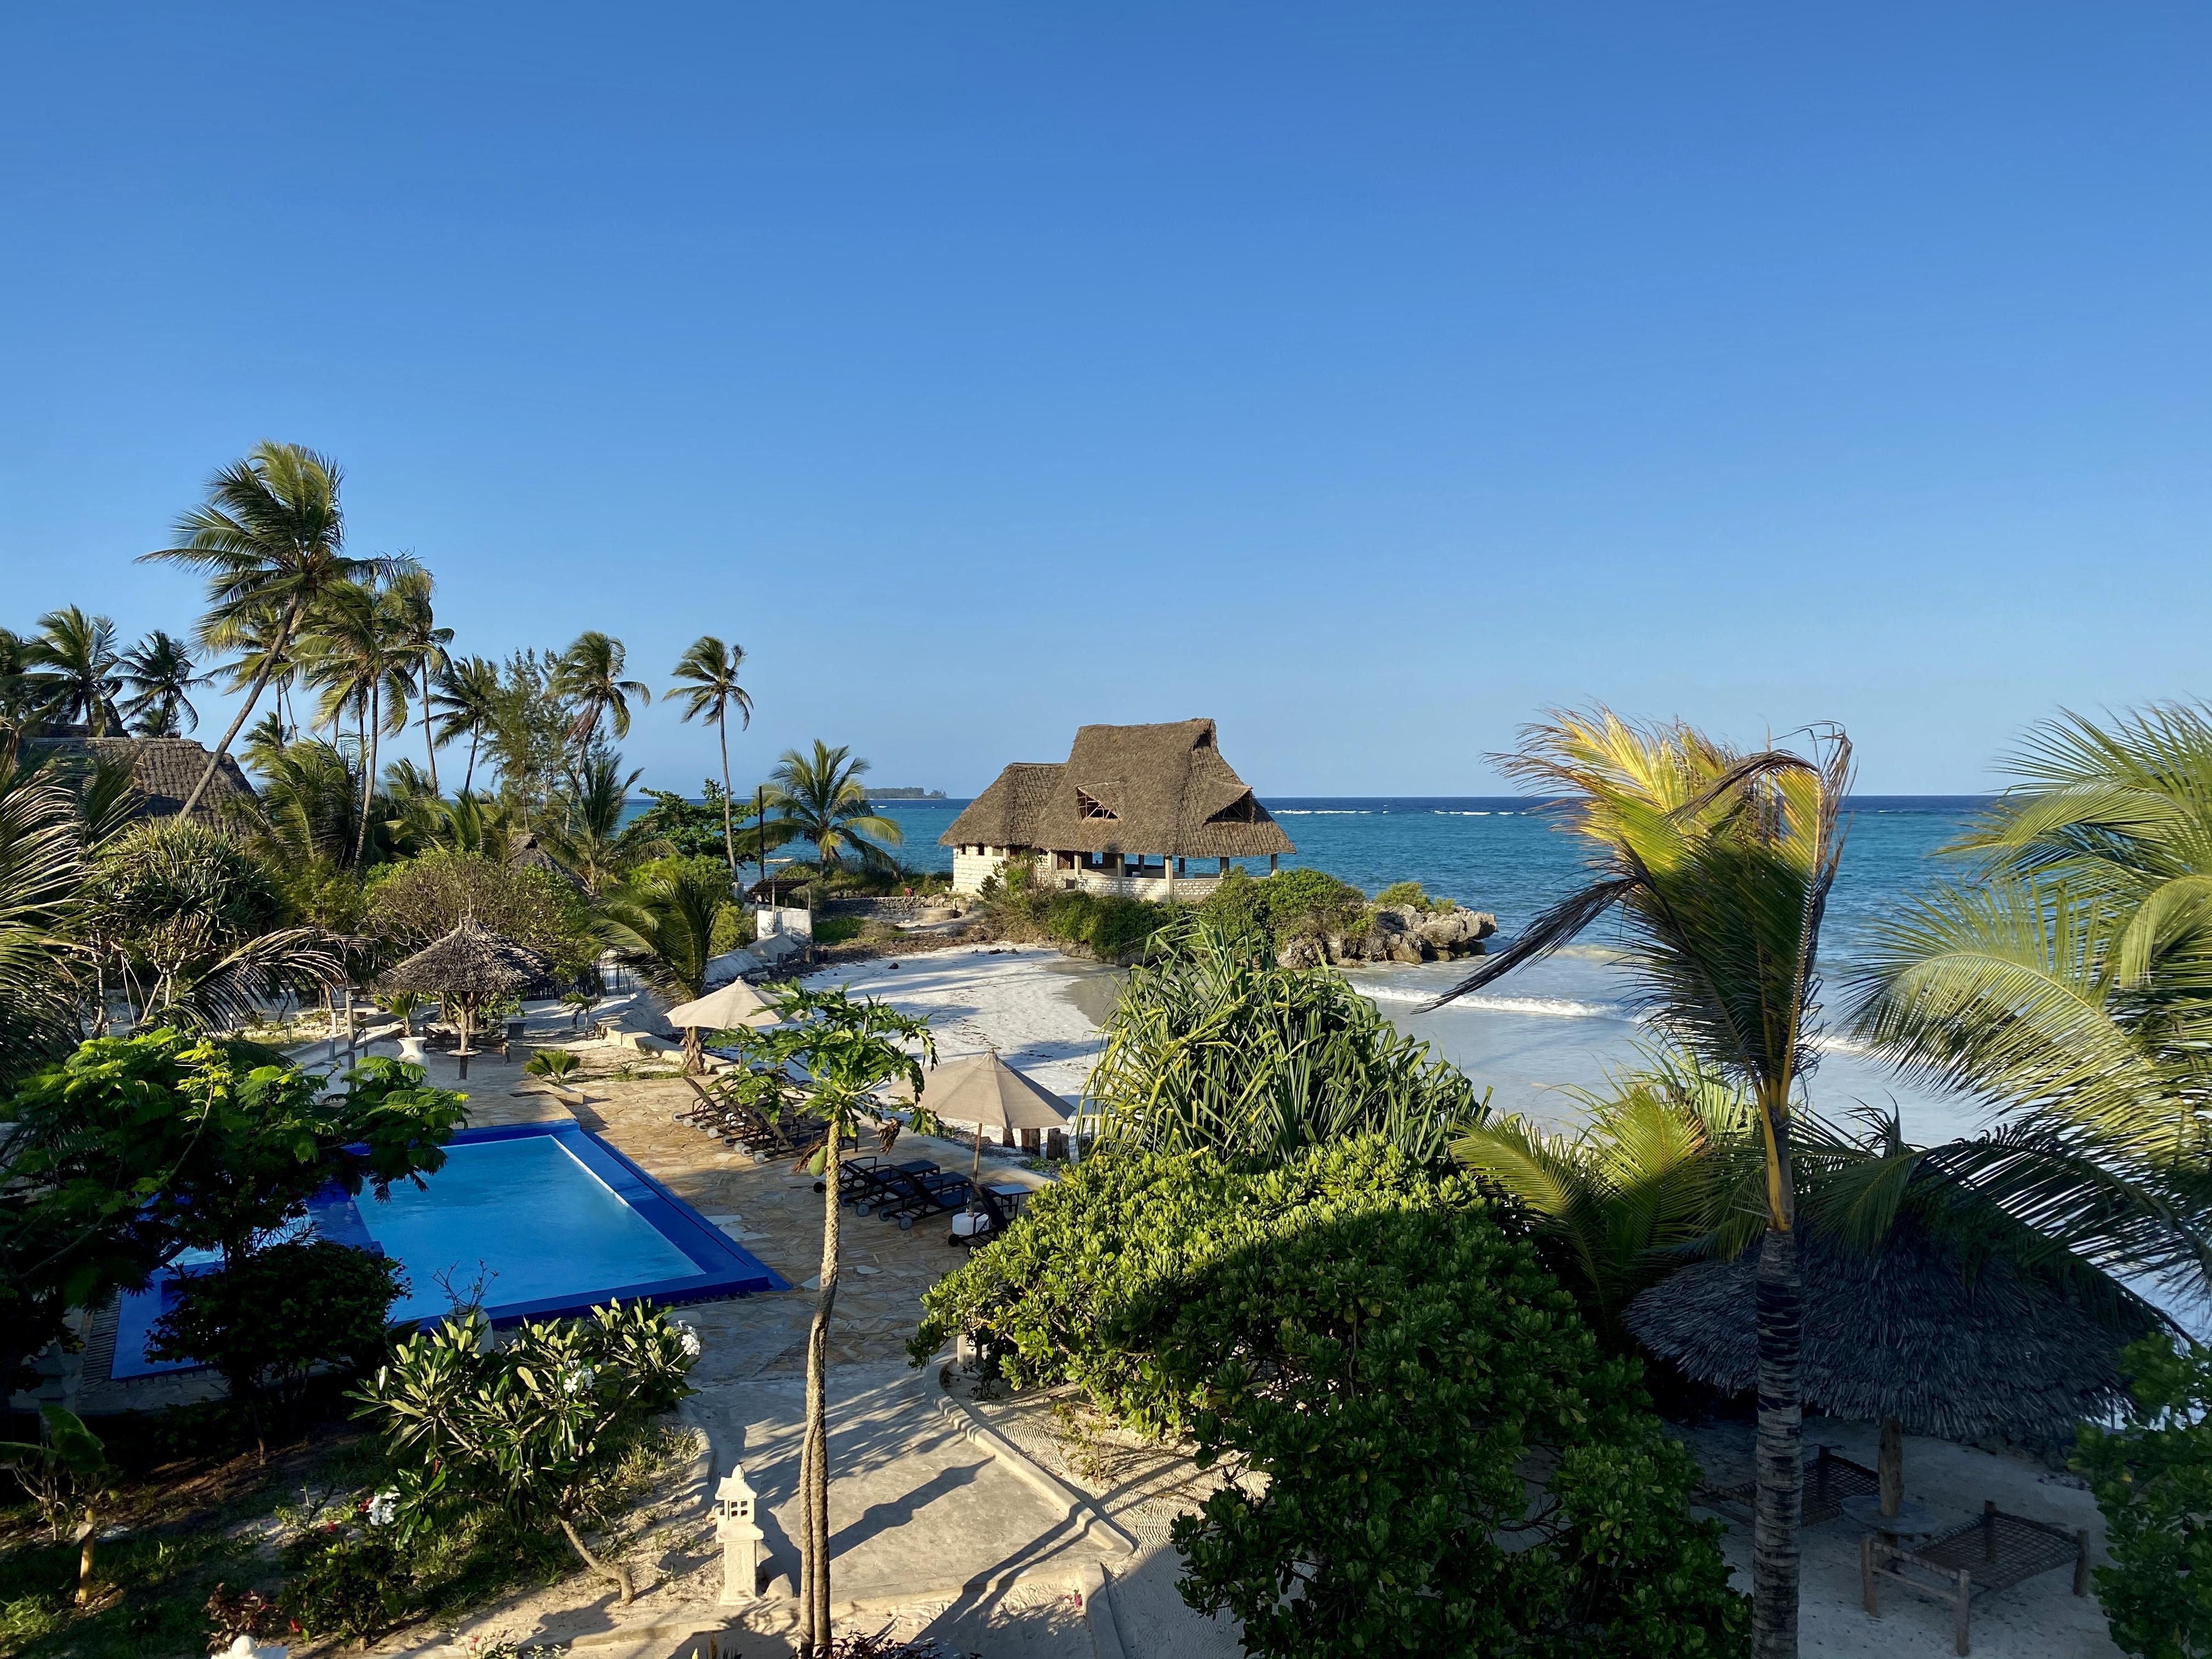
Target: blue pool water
(552, 1219)
(526, 1214)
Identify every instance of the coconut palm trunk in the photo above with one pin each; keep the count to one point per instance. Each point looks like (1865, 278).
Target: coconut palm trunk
(244, 709)
(815, 1477)
(729, 823)
(429, 741)
(1717, 865)
(372, 727)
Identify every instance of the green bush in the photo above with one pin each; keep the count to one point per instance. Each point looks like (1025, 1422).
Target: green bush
(2153, 1478)
(1213, 1045)
(269, 1318)
(1289, 904)
(1111, 926)
(537, 1429)
(1410, 896)
(354, 1587)
(837, 930)
(1383, 1375)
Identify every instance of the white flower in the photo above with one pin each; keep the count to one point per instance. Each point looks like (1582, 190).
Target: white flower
(579, 1379)
(380, 1509)
(688, 1341)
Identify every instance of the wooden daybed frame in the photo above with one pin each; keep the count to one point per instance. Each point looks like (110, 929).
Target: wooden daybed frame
(1996, 1553)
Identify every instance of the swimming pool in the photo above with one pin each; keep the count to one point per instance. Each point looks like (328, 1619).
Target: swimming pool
(552, 1219)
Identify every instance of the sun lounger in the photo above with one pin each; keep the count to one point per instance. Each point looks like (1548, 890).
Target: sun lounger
(866, 1183)
(915, 1195)
(1993, 1553)
(1829, 1480)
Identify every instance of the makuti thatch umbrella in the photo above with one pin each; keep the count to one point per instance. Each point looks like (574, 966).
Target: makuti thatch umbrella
(471, 966)
(1912, 1336)
(984, 1090)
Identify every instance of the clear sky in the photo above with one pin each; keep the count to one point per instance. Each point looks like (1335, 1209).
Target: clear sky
(1367, 377)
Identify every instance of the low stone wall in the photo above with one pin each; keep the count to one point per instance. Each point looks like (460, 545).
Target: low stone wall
(897, 906)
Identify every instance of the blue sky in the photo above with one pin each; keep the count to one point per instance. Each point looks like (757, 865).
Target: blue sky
(1368, 378)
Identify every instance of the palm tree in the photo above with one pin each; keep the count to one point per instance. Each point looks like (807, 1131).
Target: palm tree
(2068, 983)
(270, 538)
(423, 642)
(589, 673)
(591, 843)
(40, 866)
(711, 669)
(18, 696)
(158, 671)
(356, 653)
(663, 926)
(1717, 866)
(250, 639)
(821, 795)
(78, 660)
(467, 700)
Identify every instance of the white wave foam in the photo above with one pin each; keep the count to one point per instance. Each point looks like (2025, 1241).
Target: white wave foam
(1548, 1007)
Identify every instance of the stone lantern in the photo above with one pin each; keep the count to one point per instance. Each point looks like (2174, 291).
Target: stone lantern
(740, 1536)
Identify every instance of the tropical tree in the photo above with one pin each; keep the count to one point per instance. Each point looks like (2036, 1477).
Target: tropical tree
(466, 701)
(589, 674)
(357, 652)
(249, 638)
(663, 926)
(710, 690)
(834, 1056)
(422, 644)
(821, 795)
(40, 866)
(74, 662)
(270, 538)
(1716, 865)
(158, 672)
(18, 691)
(591, 842)
(183, 905)
(1669, 1161)
(2068, 983)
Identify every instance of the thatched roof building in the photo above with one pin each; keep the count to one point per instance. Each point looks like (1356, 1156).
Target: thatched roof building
(1912, 1333)
(164, 769)
(472, 966)
(1125, 812)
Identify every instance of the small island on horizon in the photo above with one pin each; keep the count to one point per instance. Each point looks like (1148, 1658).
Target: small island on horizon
(906, 795)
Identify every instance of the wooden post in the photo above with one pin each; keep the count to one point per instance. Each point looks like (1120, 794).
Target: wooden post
(1224, 866)
(2081, 1561)
(1867, 1564)
(1274, 860)
(1890, 1466)
(1960, 1598)
(1989, 1529)
(1055, 1147)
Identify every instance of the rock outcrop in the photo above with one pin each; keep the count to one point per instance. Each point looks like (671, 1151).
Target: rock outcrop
(1396, 932)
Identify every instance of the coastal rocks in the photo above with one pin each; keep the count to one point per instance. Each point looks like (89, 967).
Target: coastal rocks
(1396, 932)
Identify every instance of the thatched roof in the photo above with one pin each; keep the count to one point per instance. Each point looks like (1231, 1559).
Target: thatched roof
(473, 964)
(164, 768)
(1139, 789)
(1908, 1333)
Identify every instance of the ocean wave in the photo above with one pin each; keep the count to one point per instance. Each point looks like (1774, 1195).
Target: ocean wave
(1548, 1007)
(1323, 812)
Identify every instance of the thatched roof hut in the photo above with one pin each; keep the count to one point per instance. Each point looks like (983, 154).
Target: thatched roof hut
(471, 966)
(1912, 1334)
(164, 769)
(1145, 789)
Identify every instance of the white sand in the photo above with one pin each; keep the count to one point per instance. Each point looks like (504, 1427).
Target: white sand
(1010, 998)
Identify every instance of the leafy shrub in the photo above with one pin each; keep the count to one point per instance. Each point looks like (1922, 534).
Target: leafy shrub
(1410, 896)
(1384, 1374)
(2153, 1478)
(554, 1063)
(268, 1317)
(1271, 910)
(424, 898)
(837, 930)
(351, 1586)
(1213, 1044)
(537, 1428)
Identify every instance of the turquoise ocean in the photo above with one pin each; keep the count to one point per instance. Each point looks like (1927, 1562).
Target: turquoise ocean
(1564, 1024)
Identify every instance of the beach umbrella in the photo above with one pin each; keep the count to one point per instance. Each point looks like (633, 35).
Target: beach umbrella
(984, 1090)
(735, 1005)
(469, 967)
(1912, 1336)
